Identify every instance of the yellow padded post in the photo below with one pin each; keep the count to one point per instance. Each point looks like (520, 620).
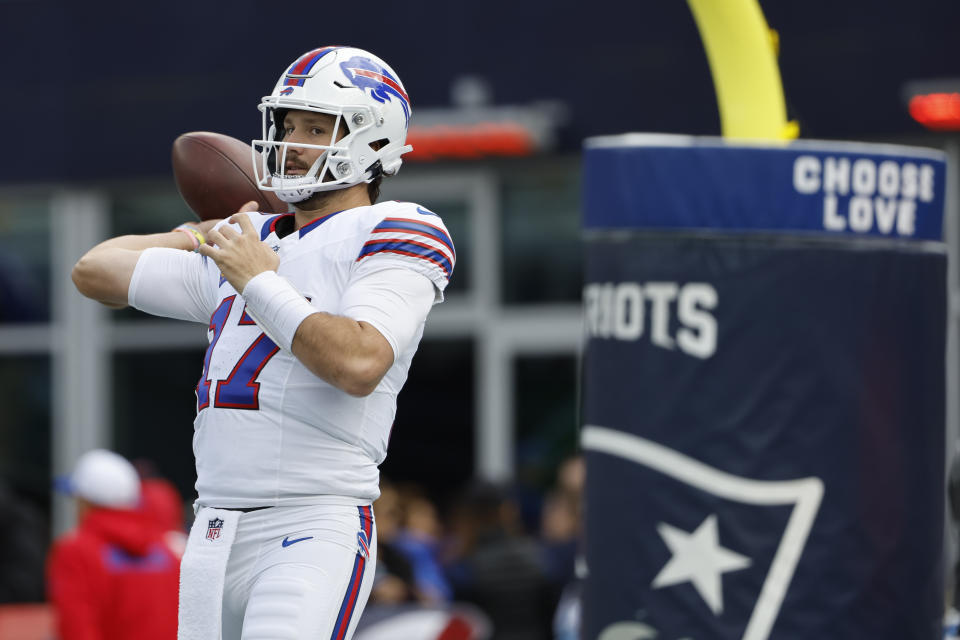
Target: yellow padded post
(742, 52)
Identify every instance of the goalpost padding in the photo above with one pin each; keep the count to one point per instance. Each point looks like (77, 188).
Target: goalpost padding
(764, 390)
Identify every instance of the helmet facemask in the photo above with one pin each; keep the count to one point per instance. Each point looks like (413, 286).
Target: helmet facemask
(335, 168)
(348, 84)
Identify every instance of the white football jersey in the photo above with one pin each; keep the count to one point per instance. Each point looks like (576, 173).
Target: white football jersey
(268, 431)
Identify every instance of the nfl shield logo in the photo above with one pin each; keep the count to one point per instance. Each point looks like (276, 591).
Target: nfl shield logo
(213, 528)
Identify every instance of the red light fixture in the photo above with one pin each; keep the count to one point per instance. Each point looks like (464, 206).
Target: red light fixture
(470, 141)
(936, 111)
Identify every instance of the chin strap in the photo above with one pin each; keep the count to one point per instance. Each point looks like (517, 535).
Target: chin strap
(288, 189)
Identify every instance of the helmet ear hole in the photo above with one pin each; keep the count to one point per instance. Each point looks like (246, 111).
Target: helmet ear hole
(343, 128)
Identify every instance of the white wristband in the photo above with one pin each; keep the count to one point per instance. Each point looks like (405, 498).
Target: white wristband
(276, 307)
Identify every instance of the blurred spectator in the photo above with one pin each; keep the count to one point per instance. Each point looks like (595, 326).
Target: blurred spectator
(162, 501)
(393, 581)
(572, 475)
(410, 593)
(23, 536)
(419, 540)
(561, 522)
(497, 567)
(566, 618)
(561, 529)
(424, 622)
(160, 496)
(114, 576)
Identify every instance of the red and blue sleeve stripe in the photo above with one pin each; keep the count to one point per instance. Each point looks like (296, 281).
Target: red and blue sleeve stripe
(408, 225)
(410, 248)
(428, 242)
(352, 595)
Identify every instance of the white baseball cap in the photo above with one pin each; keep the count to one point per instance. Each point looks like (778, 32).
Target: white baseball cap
(104, 478)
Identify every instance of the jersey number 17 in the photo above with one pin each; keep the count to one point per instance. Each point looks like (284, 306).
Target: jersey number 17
(240, 389)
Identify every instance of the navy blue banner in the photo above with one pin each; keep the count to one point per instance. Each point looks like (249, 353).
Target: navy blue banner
(671, 182)
(763, 428)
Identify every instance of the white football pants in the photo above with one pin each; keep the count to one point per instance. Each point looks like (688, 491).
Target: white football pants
(299, 573)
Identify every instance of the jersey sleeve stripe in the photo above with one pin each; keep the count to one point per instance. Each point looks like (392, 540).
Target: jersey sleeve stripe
(394, 243)
(407, 224)
(401, 235)
(408, 248)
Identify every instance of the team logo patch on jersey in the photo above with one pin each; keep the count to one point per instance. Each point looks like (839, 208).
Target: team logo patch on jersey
(368, 75)
(363, 545)
(214, 527)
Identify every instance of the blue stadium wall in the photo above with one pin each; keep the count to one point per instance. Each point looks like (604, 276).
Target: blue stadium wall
(95, 90)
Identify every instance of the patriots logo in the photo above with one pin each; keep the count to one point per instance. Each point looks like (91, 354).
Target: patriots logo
(369, 76)
(722, 547)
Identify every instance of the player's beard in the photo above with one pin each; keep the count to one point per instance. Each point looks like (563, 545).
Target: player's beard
(317, 201)
(321, 199)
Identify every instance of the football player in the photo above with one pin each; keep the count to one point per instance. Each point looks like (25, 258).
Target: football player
(313, 319)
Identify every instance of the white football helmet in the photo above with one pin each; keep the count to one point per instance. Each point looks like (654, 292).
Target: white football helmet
(365, 96)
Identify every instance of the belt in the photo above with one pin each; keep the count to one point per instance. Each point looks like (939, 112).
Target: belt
(242, 510)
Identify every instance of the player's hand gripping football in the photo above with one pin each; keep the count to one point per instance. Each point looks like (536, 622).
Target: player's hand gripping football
(240, 256)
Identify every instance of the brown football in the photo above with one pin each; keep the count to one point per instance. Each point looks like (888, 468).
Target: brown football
(214, 174)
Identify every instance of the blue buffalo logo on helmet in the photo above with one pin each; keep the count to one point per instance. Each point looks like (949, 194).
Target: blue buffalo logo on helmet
(368, 75)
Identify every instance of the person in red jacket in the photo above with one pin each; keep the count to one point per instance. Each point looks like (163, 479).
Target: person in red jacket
(162, 499)
(114, 577)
